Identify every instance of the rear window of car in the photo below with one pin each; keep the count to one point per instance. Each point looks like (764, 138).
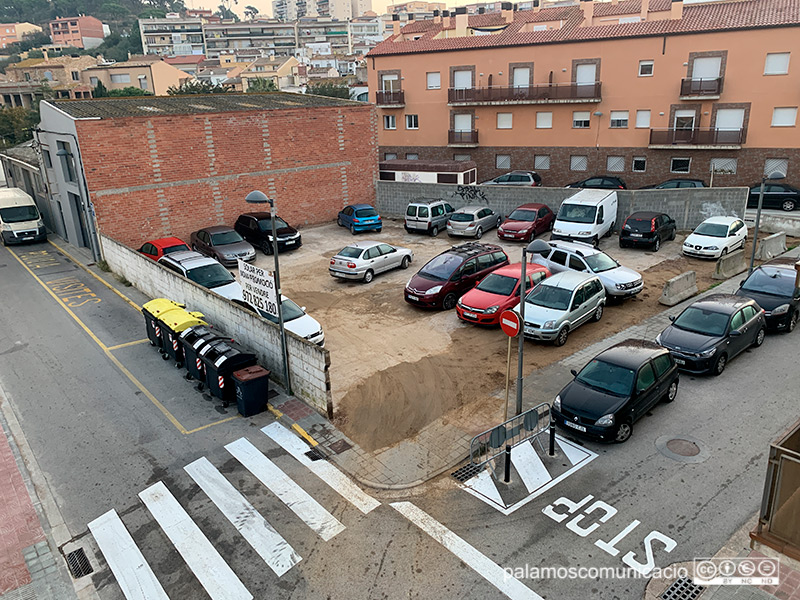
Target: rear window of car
(176, 248)
(462, 217)
(411, 211)
(351, 252)
(639, 224)
(422, 212)
(366, 212)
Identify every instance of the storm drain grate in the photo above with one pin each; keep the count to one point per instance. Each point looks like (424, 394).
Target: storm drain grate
(682, 589)
(466, 472)
(316, 454)
(78, 564)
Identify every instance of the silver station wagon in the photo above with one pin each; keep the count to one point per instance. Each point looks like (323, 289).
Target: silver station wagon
(472, 221)
(364, 260)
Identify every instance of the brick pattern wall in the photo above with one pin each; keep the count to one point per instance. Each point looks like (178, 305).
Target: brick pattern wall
(173, 174)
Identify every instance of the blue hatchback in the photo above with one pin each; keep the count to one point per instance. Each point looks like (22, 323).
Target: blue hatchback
(359, 217)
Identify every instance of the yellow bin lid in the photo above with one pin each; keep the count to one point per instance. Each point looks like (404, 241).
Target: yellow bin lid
(180, 319)
(161, 305)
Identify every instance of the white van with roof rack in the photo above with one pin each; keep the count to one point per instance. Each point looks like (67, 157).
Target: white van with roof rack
(586, 217)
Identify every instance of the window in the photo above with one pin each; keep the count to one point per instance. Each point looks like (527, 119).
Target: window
(461, 157)
(93, 81)
(502, 161)
(434, 80)
(724, 166)
(646, 378)
(48, 75)
(737, 321)
(559, 257)
(623, 20)
(412, 156)
(580, 119)
(680, 165)
(578, 163)
(784, 117)
(643, 119)
(615, 164)
(76, 75)
(544, 120)
(777, 64)
(120, 78)
(390, 82)
(541, 162)
(645, 68)
(462, 80)
(639, 164)
(390, 156)
(781, 165)
(619, 119)
(48, 161)
(662, 363)
(576, 264)
(749, 312)
(27, 76)
(67, 166)
(448, 178)
(412, 121)
(504, 120)
(389, 122)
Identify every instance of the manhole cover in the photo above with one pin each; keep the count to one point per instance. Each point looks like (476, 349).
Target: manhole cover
(78, 563)
(466, 472)
(340, 446)
(682, 589)
(683, 447)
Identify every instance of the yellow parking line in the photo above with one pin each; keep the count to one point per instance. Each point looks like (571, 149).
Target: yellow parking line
(305, 435)
(118, 346)
(278, 414)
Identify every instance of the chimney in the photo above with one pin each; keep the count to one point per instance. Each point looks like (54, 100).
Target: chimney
(396, 24)
(410, 16)
(645, 9)
(481, 10)
(436, 17)
(462, 22)
(613, 2)
(587, 6)
(676, 9)
(44, 54)
(507, 10)
(445, 19)
(536, 7)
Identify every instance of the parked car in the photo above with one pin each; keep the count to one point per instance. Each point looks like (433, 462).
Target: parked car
(446, 277)
(359, 217)
(601, 182)
(716, 237)
(20, 220)
(525, 178)
(295, 319)
(776, 195)
(671, 184)
(526, 222)
(646, 228)
(619, 281)
(496, 292)
(562, 303)
(711, 332)
(428, 216)
(364, 260)
(586, 217)
(472, 221)
(615, 389)
(772, 286)
(155, 249)
(203, 271)
(222, 243)
(256, 228)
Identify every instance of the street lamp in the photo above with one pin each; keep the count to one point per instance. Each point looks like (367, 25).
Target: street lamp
(258, 197)
(772, 176)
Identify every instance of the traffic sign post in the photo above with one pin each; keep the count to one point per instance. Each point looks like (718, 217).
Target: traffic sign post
(511, 325)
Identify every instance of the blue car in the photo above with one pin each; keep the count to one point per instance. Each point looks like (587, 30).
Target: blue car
(359, 217)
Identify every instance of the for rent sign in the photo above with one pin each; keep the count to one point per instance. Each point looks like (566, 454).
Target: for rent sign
(258, 288)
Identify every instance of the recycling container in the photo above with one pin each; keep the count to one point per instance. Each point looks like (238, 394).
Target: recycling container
(193, 339)
(172, 323)
(152, 312)
(220, 361)
(252, 389)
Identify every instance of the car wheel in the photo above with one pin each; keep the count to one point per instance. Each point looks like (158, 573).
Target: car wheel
(499, 222)
(406, 228)
(610, 229)
(719, 366)
(266, 247)
(550, 227)
(449, 302)
(561, 339)
(479, 233)
(657, 244)
(339, 222)
(744, 241)
(760, 336)
(788, 205)
(434, 231)
(595, 242)
(673, 234)
(724, 252)
(621, 244)
(792, 323)
(624, 432)
(404, 264)
(353, 229)
(379, 229)
(672, 392)
(368, 276)
(598, 313)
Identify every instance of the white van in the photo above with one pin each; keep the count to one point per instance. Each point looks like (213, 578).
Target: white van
(20, 220)
(586, 217)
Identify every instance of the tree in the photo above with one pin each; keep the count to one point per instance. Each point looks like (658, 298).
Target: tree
(329, 89)
(193, 86)
(100, 90)
(35, 54)
(16, 125)
(225, 12)
(250, 12)
(14, 58)
(127, 91)
(261, 84)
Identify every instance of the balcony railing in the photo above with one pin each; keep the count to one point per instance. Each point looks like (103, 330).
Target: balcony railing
(390, 97)
(533, 94)
(705, 136)
(467, 137)
(701, 87)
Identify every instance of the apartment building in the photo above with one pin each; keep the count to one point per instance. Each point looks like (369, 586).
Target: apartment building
(149, 72)
(78, 32)
(643, 89)
(173, 35)
(284, 72)
(416, 6)
(11, 33)
(62, 75)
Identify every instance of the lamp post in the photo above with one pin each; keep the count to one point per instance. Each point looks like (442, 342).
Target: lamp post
(772, 176)
(258, 197)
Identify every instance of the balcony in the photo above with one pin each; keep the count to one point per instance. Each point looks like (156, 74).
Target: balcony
(706, 89)
(557, 93)
(462, 139)
(390, 98)
(701, 138)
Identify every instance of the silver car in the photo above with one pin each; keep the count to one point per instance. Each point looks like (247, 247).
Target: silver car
(562, 303)
(364, 260)
(472, 221)
(222, 243)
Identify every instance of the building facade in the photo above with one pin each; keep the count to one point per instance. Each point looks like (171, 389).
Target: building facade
(78, 32)
(150, 73)
(417, 6)
(11, 33)
(173, 35)
(62, 75)
(645, 90)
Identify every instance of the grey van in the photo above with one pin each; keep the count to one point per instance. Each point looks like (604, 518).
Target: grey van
(428, 216)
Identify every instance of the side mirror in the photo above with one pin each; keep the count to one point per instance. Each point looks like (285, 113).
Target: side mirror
(575, 305)
(741, 283)
(796, 295)
(731, 234)
(735, 333)
(574, 372)
(672, 318)
(599, 220)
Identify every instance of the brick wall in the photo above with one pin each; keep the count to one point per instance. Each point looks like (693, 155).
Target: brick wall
(308, 363)
(173, 174)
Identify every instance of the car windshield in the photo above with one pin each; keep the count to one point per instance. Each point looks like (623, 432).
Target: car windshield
(351, 252)
(366, 212)
(549, 296)
(211, 276)
(607, 377)
(224, 238)
(18, 214)
(775, 282)
(704, 321)
(462, 217)
(266, 225)
(712, 230)
(502, 285)
(576, 213)
(600, 262)
(523, 215)
(289, 309)
(441, 267)
(175, 248)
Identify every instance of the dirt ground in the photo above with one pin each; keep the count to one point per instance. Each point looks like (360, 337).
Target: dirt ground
(396, 368)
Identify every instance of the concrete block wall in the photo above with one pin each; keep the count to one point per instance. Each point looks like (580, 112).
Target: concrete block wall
(689, 207)
(308, 363)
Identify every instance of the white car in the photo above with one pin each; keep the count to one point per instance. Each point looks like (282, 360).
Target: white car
(204, 271)
(716, 237)
(295, 319)
(362, 260)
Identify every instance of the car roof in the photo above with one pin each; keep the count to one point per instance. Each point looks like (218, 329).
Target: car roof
(256, 215)
(568, 279)
(578, 248)
(514, 270)
(470, 209)
(167, 241)
(531, 206)
(427, 201)
(364, 244)
(645, 214)
(682, 179)
(631, 353)
(471, 249)
(591, 197)
(722, 220)
(357, 206)
(724, 303)
(186, 258)
(216, 229)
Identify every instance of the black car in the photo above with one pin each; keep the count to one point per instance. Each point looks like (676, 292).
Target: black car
(772, 286)
(712, 331)
(647, 228)
(600, 182)
(672, 184)
(616, 389)
(256, 228)
(776, 195)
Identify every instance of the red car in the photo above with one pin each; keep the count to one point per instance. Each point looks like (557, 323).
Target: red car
(526, 222)
(155, 249)
(496, 292)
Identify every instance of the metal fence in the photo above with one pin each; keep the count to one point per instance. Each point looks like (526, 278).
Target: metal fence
(709, 136)
(490, 444)
(528, 93)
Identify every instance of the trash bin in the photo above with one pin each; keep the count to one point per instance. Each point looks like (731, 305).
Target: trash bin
(252, 390)
(193, 339)
(172, 323)
(152, 312)
(220, 361)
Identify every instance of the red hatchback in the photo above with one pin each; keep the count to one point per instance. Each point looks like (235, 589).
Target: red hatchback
(496, 292)
(155, 249)
(526, 222)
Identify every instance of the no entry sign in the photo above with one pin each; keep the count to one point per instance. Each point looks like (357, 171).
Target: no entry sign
(510, 323)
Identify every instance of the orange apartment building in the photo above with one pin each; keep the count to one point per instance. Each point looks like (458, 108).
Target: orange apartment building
(78, 32)
(645, 90)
